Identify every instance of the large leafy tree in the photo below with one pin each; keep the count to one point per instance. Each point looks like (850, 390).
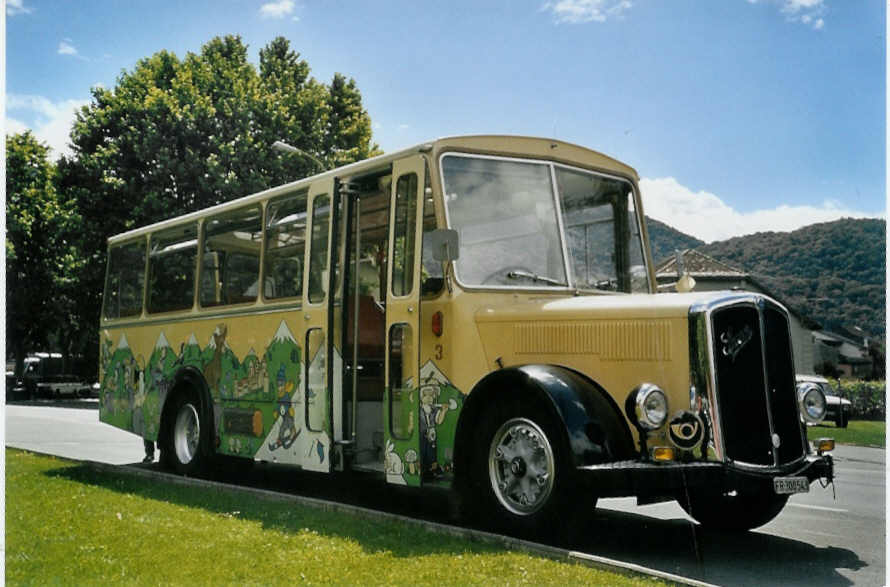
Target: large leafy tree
(40, 258)
(176, 135)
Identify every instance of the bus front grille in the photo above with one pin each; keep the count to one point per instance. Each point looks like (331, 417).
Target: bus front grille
(755, 384)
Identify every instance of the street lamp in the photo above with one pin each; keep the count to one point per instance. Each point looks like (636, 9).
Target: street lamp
(285, 148)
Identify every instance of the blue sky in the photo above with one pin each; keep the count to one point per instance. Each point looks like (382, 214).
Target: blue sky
(739, 115)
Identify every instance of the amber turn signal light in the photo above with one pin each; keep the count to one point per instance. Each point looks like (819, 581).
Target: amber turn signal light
(663, 453)
(824, 445)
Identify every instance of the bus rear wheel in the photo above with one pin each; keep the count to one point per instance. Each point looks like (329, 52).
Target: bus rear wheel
(184, 448)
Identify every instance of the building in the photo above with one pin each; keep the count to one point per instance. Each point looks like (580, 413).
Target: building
(836, 351)
(713, 275)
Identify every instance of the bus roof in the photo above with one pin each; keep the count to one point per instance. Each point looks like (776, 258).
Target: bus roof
(504, 145)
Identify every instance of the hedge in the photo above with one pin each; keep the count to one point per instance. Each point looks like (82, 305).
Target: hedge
(867, 397)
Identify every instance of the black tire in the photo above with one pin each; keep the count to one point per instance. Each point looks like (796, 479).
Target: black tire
(734, 512)
(500, 488)
(841, 420)
(185, 445)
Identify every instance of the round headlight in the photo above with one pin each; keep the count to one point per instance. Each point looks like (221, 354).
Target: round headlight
(812, 403)
(648, 406)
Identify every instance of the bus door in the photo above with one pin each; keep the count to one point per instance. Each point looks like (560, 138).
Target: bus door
(404, 457)
(317, 340)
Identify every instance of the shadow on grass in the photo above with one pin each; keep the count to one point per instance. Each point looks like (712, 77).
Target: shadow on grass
(374, 535)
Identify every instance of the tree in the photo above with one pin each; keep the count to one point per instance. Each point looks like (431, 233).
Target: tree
(40, 259)
(347, 124)
(178, 135)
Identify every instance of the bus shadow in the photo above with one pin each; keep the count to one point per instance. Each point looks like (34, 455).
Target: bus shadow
(724, 558)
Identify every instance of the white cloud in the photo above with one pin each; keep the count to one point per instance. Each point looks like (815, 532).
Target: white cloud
(14, 126)
(704, 215)
(14, 7)
(581, 11)
(52, 120)
(808, 12)
(278, 9)
(66, 48)
(796, 5)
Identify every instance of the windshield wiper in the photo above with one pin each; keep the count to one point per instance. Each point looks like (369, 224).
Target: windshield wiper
(609, 284)
(517, 273)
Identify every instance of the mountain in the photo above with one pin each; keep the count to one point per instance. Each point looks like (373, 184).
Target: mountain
(832, 272)
(665, 240)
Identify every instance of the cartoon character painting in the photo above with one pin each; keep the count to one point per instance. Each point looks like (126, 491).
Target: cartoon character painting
(393, 466)
(432, 414)
(213, 369)
(287, 429)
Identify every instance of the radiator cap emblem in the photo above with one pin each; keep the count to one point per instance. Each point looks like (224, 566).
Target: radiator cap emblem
(733, 342)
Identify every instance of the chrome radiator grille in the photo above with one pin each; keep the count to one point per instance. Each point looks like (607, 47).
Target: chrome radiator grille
(755, 387)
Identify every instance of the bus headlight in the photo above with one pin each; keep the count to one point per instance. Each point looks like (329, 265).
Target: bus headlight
(811, 401)
(647, 407)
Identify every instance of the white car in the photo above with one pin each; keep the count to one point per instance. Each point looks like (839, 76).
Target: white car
(837, 408)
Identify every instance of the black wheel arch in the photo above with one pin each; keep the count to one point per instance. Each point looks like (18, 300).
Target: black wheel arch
(185, 380)
(592, 423)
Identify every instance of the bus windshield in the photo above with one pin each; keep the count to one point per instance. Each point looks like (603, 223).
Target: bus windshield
(511, 216)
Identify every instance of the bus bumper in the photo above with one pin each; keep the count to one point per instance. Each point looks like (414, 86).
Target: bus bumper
(653, 479)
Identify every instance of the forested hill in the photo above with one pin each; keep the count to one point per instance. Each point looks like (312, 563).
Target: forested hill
(665, 240)
(831, 272)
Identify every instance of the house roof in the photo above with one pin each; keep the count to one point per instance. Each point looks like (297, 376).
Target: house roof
(698, 265)
(703, 267)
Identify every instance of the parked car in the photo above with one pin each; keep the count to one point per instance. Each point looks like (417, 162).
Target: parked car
(837, 408)
(14, 388)
(44, 377)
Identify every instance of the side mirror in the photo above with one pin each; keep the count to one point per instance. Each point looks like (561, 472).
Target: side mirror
(444, 244)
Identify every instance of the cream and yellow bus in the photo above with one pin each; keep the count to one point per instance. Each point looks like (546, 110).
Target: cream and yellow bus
(476, 313)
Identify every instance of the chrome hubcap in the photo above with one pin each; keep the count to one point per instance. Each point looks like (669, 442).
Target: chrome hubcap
(186, 433)
(521, 466)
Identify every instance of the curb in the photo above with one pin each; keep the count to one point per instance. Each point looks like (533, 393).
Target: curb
(516, 544)
(73, 403)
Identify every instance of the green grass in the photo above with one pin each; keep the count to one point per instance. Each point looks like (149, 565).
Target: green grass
(70, 524)
(857, 432)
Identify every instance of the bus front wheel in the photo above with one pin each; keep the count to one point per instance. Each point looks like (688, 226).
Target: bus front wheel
(522, 470)
(733, 511)
(184, 448)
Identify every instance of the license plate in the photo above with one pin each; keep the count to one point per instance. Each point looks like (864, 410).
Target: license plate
(784, 485)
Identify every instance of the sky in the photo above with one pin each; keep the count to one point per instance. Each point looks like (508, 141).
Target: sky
(740, 116)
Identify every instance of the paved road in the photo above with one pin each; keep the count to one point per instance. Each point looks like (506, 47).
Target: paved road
(817, 540)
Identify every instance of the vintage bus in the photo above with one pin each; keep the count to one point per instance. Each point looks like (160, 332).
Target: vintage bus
(476, 313)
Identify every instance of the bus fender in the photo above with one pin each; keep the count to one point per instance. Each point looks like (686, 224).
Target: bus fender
(594, 427)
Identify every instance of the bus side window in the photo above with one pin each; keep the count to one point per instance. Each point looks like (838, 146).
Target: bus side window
(318, 253)
(403, 238)
(126, 277)
(431, 279)
(285, 246)
(230, 271)
(171, 269)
